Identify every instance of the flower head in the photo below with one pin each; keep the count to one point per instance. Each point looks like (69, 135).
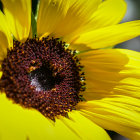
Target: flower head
(63, 79)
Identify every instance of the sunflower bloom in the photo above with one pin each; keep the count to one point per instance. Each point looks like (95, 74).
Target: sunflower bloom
(65, 81)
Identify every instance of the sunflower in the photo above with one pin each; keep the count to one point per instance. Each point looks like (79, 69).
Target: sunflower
(60, 77)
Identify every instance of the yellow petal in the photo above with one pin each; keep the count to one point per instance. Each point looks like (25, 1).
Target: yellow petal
(3, 46)
(113, 90)
(84, 128)
(6, 40)
(79, 13)
(109, 12)
(110, 36)
(4, 28)
(79, 47)
(116, 114)
(65, 17)
(18, 123)
(0, 72)
(50, 14)
(111, 71)
(18, 14)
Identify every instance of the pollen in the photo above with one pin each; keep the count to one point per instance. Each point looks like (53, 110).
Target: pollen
(43, 75)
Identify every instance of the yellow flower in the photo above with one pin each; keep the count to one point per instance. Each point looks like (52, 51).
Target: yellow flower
(111, 98)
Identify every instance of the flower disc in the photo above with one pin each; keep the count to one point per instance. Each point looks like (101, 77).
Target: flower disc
(44, 75)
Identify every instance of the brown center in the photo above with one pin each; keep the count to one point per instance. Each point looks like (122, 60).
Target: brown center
(44, 75)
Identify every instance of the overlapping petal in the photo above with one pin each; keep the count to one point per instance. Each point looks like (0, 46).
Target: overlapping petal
(5, 37)
(113, 71)
(63, 18)
(18, 15)
(30, 124)
(109, 36)
(3, 46)
(112, 76)
(109, 12)
(49, 15)
(84, 127)
(113, 90)
(115, 114)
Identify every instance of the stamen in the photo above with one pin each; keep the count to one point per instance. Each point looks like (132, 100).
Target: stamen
(44, 75)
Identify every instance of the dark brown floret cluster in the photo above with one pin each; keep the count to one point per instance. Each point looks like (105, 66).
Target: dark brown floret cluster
(44, 75)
